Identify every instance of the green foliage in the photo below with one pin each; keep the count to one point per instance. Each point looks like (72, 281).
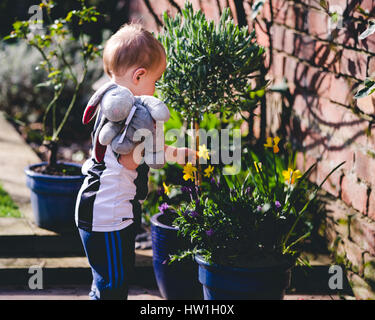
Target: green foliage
(7, 207)
(58, 64)
(369, 88)
(210, 66)
(258, 215)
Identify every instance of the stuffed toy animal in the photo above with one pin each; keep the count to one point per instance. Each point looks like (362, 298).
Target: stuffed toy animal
(123, 120)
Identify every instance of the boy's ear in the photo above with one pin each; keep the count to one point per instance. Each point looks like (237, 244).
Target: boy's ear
(138, 73)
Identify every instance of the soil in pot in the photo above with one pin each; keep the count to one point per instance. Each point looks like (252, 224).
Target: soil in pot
(60, 169)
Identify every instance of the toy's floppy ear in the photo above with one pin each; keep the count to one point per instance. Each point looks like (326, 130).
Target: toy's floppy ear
(92, 105)
(98, 149)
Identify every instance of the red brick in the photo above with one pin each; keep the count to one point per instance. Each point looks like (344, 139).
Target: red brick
(332, 184)
(289, 41)
(355, 256)
(353, 129)
(341, 90)
(304, 47)
(318, 23)
(290, 69)
(277, 34)
(327, 56)
(280, 10)
(296, 18)
(313, 79)
(336, 153)
(371, 66)
(354, 193)
(362, 231)
(278, 64)
(367, 104)
(261, 34)
(364, 167)
(371, 208)
(304, 162)
(354, 63)
(346, 35)
(266, 11)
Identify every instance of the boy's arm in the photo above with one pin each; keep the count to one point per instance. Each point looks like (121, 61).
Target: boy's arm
(172, 154)
(127, 161)
(180, 155)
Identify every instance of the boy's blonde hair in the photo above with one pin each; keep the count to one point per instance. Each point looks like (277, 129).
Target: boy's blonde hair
(131, 45)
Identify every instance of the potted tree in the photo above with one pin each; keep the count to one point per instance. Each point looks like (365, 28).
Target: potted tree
(54, 185)
(246, 229)
(212, 69)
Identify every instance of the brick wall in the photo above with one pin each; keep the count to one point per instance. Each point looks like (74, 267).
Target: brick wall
(323, 68)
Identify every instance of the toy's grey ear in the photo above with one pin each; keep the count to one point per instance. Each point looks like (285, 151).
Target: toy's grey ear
(92, 105)
(116, 103)
(157, 108)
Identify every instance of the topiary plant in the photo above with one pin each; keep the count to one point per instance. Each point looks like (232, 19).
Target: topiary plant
(211, 67)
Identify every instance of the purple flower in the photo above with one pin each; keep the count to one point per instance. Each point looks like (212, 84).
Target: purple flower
(210, 232)
(163, 207)
(259, 208)
(277, 204)
(194, 214)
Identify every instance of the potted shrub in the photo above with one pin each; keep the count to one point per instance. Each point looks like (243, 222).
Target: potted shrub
(54, 185)
(212, 68)
(246, 229)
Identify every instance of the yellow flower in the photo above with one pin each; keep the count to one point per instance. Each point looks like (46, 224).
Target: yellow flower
(203, 152)
(273, 144)
(258, 166)
(208, 171)
(189, 172)
(291, 175)
(167, 191)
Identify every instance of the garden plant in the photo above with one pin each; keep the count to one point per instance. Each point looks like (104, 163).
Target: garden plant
(50, 38)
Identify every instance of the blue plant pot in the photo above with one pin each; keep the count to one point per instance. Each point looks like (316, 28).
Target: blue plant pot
(229, 283)
(53, 198)
(178, 280)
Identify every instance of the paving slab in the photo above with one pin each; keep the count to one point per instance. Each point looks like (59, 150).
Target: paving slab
(15, 155)
(78, 292)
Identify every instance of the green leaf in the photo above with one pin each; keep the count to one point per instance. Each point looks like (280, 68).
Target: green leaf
(369, 31)
(257, 6)
(366, 91)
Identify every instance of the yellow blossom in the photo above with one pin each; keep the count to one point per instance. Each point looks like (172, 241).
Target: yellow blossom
(189, 171)
(291, 175)
(208, 171)
(167, 191)
(258, 166)
(273, 143)
(203, 152)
